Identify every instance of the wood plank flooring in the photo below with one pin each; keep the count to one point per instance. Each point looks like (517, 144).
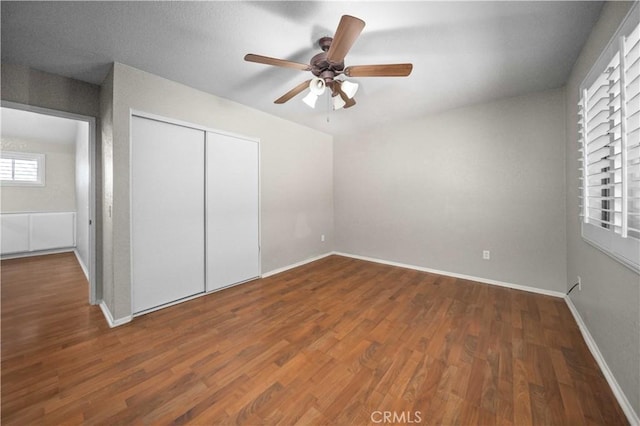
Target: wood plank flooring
(336, 341)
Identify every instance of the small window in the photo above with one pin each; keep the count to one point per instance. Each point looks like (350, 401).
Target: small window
(21, 168)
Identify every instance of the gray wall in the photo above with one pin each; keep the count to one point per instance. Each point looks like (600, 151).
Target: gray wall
(58, 193)
(437, 191)
(609, 302)
(27, 86)
(296, 172)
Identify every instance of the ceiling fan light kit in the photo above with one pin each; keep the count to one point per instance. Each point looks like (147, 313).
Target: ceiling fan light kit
(349, 88)
(310, 99)
(317, 86)
(328, 64)
(338, 102)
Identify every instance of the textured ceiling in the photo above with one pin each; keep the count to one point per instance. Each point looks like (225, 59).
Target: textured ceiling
(463, 52)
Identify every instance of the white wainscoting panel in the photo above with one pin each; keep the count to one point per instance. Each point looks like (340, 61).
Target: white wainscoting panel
(29, 232)
(15, 233)
(52, 230)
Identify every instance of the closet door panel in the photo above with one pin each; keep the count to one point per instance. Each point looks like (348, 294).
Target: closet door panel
(167, 193)
(232, 210)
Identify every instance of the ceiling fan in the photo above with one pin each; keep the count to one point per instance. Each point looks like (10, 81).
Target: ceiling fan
(329, 64)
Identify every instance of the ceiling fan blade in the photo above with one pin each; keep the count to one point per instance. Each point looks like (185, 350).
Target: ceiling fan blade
(347, 33)
(293, 92)
(276, 62)
(389, 70)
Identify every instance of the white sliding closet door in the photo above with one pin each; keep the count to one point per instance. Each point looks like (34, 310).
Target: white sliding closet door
(167, 196)
(232, 210)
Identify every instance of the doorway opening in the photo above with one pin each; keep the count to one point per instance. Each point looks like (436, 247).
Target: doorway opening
(47, 185)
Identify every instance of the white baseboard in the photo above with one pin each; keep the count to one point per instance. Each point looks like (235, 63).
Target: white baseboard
(112, 322)
(81, 263)
(35, 253)
(295, 265)
(456, 275)
(632, 416)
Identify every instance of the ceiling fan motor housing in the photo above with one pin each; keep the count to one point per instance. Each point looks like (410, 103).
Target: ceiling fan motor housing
(321, 67)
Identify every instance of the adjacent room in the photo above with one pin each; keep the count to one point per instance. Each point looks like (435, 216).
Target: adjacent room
(283, 212)
(46, 185)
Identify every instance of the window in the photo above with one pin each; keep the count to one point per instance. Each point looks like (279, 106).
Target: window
(21, 168)
(609, 139)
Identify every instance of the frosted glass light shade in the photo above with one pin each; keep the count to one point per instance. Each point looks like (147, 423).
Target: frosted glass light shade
(338, 102)
(317, 86)
(349, 88)
(310, 99)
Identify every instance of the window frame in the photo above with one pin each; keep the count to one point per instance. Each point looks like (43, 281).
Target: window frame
(32, 156)
(618, 245)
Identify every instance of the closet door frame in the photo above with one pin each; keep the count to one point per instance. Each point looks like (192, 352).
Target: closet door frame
(168, 120)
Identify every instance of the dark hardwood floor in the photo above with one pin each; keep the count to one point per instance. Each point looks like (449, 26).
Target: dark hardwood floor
(334, 342)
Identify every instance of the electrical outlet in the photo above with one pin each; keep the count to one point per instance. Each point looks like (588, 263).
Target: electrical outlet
(579, 283)
(322, 238)
(486, 254)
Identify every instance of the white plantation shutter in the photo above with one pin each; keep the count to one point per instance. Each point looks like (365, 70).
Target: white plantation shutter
(6, 169)
(596, 150)
(631, 60)
(25, 170)
(21, 168)
(609, 146)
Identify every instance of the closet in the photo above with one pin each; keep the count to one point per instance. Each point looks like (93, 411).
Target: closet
(194, 211)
